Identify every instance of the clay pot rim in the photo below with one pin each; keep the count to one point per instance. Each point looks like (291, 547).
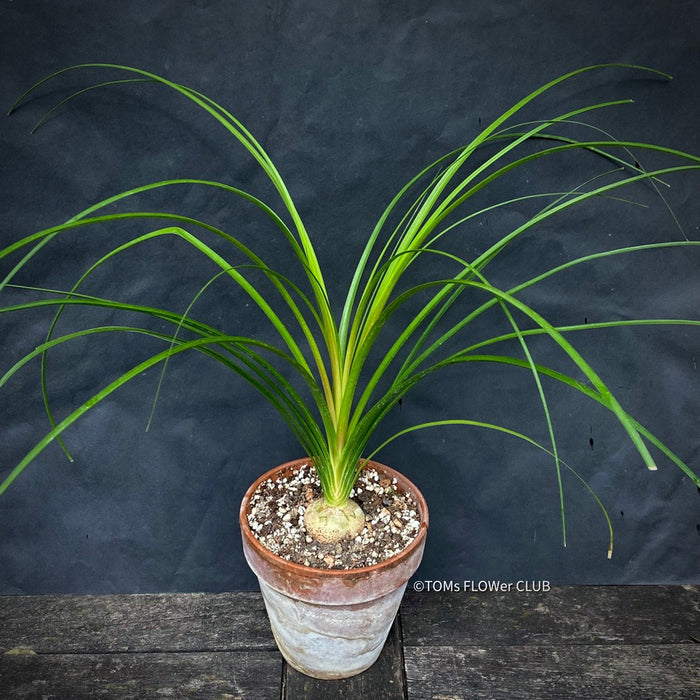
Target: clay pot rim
(337, 574)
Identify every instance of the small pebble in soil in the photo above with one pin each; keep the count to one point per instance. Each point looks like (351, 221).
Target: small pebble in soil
(276, 519)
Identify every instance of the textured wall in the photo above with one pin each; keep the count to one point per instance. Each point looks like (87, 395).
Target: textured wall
(350, 100)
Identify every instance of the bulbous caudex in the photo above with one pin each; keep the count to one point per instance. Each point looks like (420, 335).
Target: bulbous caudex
(329, 524)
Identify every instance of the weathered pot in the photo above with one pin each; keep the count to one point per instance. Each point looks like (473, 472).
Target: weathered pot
(331, 623)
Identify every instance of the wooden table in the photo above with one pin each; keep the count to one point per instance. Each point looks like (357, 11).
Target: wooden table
(569, 642)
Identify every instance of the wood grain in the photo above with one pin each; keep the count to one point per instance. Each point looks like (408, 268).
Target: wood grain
(602, 642)
(594, 642)
(557, 672)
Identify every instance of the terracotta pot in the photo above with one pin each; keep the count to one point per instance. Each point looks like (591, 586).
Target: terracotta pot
(331, 623)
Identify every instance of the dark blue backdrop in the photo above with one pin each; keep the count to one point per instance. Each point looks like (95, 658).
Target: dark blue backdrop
(350, 100)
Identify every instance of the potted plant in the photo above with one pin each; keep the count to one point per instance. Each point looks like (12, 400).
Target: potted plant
(331, 596)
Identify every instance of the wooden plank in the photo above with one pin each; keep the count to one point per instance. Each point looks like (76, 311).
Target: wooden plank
(255, 675)
(382, 681)
(574, 614)
(144, 622)
(553, 672)
(585, 642)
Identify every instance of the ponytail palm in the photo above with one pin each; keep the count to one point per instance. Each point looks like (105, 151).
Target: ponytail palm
(323, 373)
